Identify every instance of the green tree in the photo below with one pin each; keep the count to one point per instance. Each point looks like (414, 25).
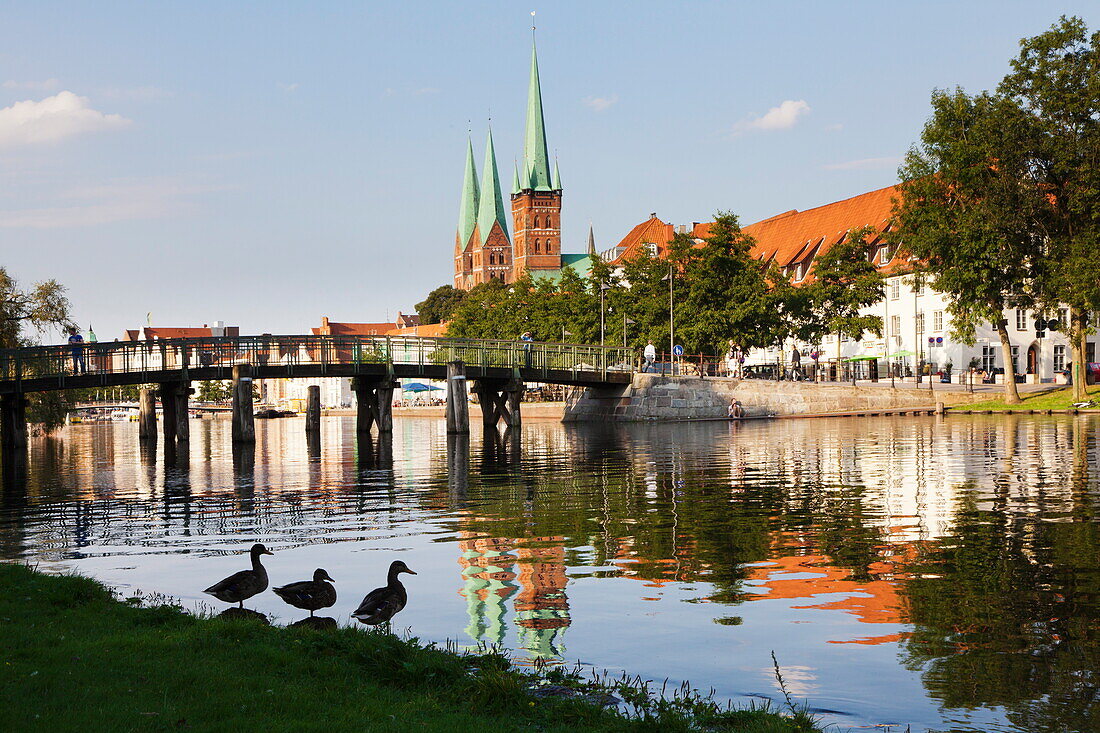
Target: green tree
(968, 199)
(43, 306)
(729, 294)
(215, 390)
(845, 282)
(1055, 81)
(440, 304)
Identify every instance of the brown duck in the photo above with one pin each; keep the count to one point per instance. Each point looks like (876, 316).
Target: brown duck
(243, 585)
(309, 595)
(381, 604)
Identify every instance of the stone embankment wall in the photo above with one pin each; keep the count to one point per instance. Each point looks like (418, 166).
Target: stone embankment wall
(657, 397)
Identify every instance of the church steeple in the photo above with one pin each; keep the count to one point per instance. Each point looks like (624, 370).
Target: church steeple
(468, 209)
(491, 207)
(591, 241)
(536, 162)
(556, 180)
(515, 179)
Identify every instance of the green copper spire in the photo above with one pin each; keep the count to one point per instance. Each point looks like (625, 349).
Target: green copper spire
(492, 206)
(536, 162)
(515, 178)
(467, 212)
(556, 181)
(591, 241)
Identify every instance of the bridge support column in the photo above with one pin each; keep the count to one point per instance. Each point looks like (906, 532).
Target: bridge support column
(313, 409)
(147, 415)
(168, 405)
(13, 423)
(374, 404)
(183, 411)
(244, 425)
(458, 405)
(499, 400)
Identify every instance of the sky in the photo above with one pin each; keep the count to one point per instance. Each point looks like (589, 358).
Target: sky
(267, 164)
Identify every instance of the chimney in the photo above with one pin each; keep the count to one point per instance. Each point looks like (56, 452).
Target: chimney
(653, 215)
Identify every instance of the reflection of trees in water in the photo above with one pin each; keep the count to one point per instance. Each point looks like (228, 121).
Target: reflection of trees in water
(1006, 608)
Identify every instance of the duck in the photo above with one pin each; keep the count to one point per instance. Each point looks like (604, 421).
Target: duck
(243, 585)
(381, 604)
(309, 595)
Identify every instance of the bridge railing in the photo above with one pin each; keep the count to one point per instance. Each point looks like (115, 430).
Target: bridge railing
(148, 359)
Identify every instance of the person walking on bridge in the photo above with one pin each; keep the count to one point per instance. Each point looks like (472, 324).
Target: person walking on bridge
(649, 353)
(76, 347)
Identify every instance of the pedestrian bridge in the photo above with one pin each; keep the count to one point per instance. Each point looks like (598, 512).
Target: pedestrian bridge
(497, 370)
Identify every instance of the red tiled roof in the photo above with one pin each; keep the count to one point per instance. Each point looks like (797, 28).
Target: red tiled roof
(651, 231)
(797, 237)
(337, 328)
(435, 330)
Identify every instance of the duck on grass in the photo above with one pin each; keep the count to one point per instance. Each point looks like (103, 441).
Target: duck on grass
(75, 658)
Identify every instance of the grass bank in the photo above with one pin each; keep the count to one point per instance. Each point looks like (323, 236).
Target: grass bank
(1055, 399)
(74, 657)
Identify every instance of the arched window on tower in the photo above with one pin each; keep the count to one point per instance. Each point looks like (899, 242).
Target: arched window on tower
(549, 222)
(538, 248)
(536, 221)
(492, 259)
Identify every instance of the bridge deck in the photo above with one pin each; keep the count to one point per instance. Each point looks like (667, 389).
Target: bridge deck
(43, 368)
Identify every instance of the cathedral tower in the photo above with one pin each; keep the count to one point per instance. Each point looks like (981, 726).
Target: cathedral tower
(536, 195)
(492, 222)
(465, 237)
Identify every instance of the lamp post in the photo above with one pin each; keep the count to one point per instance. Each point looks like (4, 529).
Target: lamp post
(603, 288)
(626, 322)
(671, 322)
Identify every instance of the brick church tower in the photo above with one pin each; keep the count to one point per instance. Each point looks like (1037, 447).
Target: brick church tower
(536, 195)
(483, 250)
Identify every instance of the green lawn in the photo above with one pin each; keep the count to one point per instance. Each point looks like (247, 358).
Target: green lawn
(1057, 399)
(73, 657)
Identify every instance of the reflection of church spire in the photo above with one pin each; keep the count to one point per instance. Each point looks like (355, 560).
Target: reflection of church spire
(489, 583)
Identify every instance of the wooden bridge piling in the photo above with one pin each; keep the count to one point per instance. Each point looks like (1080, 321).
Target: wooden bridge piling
(147, 415)
(13, 422)
(183, 411)
(168, 407)
(244, 425)
(499, 400)
(458, 409)
(374, 404)
(313, 409)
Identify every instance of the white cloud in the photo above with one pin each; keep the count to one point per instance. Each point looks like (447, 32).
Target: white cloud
(864, 164)
(110, 203)
(288, 87)
(601, 104)
(40, 86)
(55, 118)
(782, 117)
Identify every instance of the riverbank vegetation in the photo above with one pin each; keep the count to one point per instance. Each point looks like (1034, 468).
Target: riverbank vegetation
(77, 658)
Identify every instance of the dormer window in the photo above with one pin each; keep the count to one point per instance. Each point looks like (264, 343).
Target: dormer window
(884, 255)
(798, 272)
(649, 248)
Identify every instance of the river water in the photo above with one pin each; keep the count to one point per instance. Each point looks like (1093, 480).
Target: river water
(942, 573)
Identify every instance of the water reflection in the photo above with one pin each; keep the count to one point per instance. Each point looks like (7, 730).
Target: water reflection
(965, 548)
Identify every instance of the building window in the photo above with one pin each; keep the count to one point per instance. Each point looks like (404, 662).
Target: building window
(920, 322)
(895, 290)
(1016, 359)
(918, 287)
(1021, 319)
(1063, 316)
(549, 222)
(538, 247)
(937, 320)
(989, 358)
(1059, 358)
(492, 259)
(895, 326)
(798, 272)
(536, 221)
(884, 255)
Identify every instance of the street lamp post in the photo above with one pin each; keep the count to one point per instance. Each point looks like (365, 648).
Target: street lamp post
(671, 322)
(626, 322)
(603, 289)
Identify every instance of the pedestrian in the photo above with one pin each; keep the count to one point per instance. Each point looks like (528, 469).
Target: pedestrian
(527, 340)
(650, 356)
(796, 364)
(735, 411)
(731, 358)
(76, 348)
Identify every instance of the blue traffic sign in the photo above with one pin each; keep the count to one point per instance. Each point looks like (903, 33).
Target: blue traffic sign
(939, 339)
(678, 350)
